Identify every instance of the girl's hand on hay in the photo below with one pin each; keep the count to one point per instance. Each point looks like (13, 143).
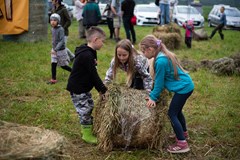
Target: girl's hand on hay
(151, 103)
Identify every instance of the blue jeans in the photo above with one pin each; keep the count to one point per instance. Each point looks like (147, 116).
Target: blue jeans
(165, 15)
(176, 116)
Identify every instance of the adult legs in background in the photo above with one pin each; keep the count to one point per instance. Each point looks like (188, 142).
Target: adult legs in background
(129, 29)
(110, 27)
(81, 29)
(165, 17)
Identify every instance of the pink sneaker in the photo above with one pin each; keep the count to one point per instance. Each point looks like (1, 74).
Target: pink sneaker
(179, 147)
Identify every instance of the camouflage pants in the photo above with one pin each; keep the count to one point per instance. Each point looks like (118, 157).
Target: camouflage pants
(84, 106)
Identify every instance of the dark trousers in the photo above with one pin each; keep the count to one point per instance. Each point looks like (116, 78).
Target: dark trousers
(110, 27)
(137, 82)
(54, 69)
(129, 28)
(219, 29)
(176, 116)
(188, 41)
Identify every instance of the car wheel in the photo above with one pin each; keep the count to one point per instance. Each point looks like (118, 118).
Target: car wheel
(209, 23)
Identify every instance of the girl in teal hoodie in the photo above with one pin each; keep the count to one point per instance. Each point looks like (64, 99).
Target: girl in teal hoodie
(169, 74)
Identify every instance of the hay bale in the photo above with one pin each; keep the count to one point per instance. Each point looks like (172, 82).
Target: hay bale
(123, 120)
(23, 142)
(169, 34)
(200, 34)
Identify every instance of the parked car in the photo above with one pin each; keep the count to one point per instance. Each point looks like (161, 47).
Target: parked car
(232, 17)
(147, 14)
(182, 14)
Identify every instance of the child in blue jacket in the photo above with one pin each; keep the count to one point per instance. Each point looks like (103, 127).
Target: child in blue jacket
(169, 74)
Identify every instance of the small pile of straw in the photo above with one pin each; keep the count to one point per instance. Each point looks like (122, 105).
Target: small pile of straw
(123, 120)
(23, 142)
(224, 66)
(200, 35)
(169, 34)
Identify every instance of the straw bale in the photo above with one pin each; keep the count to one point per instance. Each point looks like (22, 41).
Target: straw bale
(23, 142)
(200, 34)
(123, 120)
(169, 34)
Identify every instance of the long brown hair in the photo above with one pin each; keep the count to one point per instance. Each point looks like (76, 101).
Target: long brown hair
(126, 45)
(158, 46)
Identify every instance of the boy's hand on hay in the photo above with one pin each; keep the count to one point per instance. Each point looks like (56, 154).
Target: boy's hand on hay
(103, 97)
(151, 103)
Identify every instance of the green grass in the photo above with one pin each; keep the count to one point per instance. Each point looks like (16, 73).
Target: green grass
(212, 112)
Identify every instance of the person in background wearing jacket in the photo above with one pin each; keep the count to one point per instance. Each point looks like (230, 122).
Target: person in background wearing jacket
(60, 9)
(58, 52)
(91, 14)
(223, 22)
(189, 27)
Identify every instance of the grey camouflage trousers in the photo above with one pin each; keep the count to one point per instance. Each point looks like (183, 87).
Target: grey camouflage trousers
(84, 106)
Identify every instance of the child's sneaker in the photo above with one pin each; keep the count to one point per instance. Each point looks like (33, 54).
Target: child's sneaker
(179, 147)
(52, 81)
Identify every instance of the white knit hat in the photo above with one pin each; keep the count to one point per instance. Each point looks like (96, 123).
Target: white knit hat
(55, 16)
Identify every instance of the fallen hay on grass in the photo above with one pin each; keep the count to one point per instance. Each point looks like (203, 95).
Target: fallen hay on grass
(23, 142)
(224, 66)
(123, 120)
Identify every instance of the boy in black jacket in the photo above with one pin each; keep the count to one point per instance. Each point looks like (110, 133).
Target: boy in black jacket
(84, 77)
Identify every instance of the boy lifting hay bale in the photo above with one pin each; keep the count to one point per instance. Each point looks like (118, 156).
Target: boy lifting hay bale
(123, 120)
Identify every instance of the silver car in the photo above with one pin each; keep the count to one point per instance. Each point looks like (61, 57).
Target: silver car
(182, 14)
(232, 17)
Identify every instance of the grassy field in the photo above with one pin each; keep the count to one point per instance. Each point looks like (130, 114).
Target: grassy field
(212, 112)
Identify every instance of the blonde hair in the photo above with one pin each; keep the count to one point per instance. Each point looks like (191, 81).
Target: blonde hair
(126, 45)
(158, 46)
(94, 32)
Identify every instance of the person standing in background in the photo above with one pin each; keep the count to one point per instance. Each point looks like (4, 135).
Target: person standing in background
(109, 19)
(116, 9)
(79, 4)
(173, 3)
(164, 8)
(60, 9)
(91, 14)
(189, 27)
(127, 8)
